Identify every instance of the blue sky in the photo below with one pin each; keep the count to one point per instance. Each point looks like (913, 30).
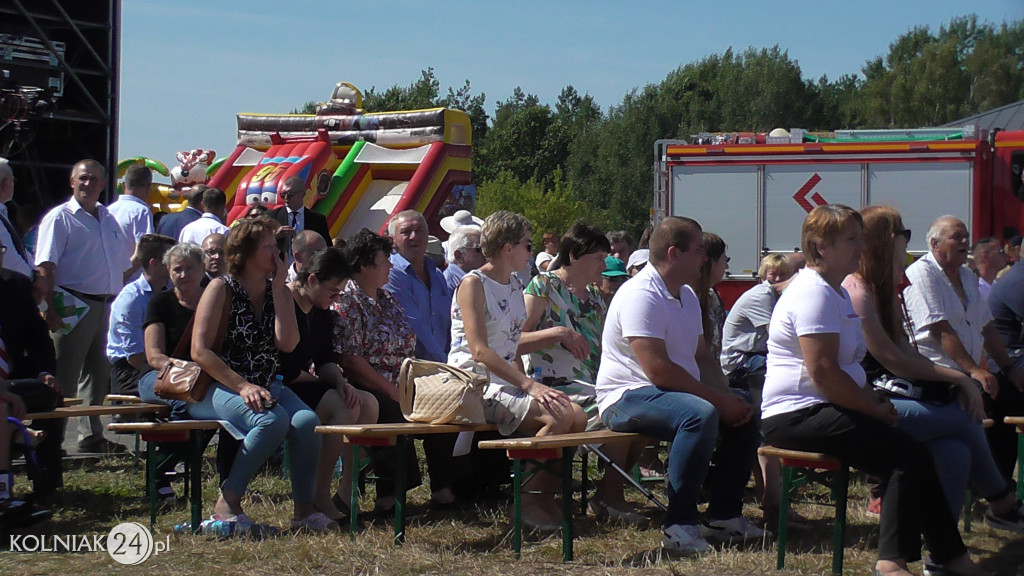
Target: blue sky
(188, 67)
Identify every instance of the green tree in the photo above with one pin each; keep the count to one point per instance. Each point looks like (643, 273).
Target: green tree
(423, 93)
(929, 79)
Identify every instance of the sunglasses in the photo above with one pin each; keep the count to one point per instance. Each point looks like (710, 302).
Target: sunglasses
(905, 233)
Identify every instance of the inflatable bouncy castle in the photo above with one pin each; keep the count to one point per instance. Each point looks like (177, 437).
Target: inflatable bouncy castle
(359, 168)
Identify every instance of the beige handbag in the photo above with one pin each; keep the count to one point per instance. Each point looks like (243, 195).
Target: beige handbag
(183, 379)
(437, 393)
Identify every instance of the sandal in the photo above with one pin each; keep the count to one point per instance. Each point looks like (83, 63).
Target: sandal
(316, 522)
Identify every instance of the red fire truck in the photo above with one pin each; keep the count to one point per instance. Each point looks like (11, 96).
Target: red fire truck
(754, 190)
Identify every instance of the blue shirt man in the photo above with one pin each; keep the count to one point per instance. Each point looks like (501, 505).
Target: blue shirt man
(420, 287)
(125, 335)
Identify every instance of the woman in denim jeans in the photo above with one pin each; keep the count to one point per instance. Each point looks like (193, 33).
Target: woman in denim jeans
(951, 426)
(261, 323)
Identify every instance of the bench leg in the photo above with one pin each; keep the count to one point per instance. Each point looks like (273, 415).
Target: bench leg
(1020, 464)
(788, 474)
(840, 490)
(402, 446)
(517, 507)
(151, 480)
(353, 516)
(196, 478)
(968, 506)
(584, 463)
(567, 453)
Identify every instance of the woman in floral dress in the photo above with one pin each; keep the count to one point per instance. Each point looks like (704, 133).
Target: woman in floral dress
(565, 318)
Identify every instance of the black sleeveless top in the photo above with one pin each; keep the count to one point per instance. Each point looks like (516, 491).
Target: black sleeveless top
(249, 347)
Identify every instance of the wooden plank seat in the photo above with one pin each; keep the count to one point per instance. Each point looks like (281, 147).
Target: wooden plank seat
(174, 431)
(73, 402)
(81, 411)
(799, 468)
(399, 435)
(124, 398)
(541, 451)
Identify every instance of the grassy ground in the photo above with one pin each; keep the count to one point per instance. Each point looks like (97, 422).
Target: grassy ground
(102, 493)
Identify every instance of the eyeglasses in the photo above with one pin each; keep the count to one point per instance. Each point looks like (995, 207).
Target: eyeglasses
(475, 248)
(905, 233)
(728, 259)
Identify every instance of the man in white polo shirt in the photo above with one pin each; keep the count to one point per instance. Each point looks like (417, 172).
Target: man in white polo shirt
(82, 249)
(212, 220)
(658, 378)
(131, 210)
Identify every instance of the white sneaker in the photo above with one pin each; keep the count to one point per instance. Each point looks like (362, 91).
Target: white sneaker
(684, 540)
(737, 529)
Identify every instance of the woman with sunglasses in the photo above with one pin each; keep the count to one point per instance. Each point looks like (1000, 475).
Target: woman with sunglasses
(947, 418)
(488, 315)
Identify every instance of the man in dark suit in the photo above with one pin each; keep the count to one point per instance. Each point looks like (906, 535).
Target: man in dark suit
(294, 216)
(171, 224)
(30, 355)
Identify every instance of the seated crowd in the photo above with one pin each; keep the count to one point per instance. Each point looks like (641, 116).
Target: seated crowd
(295, 333)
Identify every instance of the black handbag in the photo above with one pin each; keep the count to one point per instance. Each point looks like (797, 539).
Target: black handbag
(37, 396)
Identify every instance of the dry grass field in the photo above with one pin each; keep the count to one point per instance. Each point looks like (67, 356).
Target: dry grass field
(102, 493)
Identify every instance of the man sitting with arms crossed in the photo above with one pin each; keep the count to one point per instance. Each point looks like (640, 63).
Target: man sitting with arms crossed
(953, 327)
(658, 378)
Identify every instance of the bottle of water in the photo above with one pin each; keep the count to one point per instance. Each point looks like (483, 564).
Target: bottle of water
(537, 373)
(183, 528)
(216, 527)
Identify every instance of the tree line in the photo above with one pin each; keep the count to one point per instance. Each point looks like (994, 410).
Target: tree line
(555, 163)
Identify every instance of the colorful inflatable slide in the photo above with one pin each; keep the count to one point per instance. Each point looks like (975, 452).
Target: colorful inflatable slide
(359, 168)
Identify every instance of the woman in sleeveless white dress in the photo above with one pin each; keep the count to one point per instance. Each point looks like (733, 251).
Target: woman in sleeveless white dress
(488, 313)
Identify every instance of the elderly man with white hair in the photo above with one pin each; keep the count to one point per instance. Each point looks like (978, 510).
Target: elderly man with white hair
(953, 327)
(464, 255)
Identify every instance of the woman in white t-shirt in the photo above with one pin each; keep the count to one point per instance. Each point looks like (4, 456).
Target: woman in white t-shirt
(815, 399)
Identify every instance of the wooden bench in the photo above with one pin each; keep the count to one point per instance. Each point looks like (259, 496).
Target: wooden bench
(123, 398)
(1018, 421)
(798, 468)
(85, 411)
(176, 431)
(541, 450)
(399, 436)
(73, 402)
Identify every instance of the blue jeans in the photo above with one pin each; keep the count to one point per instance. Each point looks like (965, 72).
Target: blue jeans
(957, 444)
(179, 408)
(264, 432)
(691, 424)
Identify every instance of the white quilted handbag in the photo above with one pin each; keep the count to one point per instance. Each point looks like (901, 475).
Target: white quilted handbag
(437, 393)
